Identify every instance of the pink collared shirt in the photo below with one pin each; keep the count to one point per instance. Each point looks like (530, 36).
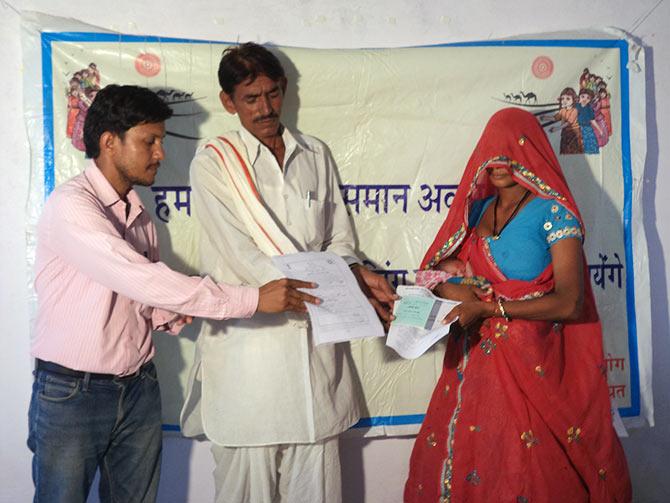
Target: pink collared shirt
(100, 286)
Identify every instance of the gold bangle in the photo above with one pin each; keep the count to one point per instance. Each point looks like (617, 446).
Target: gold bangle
(502, 309)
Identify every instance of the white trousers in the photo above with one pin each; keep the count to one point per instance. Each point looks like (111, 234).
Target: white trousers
(286, 473)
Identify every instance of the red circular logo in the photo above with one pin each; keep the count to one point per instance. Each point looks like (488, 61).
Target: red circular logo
(543, 67)
(148, 64)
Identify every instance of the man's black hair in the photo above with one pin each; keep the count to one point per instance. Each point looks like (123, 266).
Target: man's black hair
(117, 109)
(244, 63)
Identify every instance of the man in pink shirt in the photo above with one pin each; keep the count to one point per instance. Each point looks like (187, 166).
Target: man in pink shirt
(101, 291)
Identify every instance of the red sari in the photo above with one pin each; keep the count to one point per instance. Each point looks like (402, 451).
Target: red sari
(521, 412)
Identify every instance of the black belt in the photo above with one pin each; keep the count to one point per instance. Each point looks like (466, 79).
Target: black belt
(59, 369)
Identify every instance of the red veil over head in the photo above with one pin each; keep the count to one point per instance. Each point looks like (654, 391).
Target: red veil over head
(552, 373)
(511, 134)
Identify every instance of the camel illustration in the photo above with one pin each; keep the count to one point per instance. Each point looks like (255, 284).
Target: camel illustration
(529, 97)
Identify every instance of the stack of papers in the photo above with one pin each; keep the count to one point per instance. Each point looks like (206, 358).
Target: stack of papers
(418, 321)
(344, 313)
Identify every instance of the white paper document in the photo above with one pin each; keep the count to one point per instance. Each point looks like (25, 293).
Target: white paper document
(344, 313)
(418, 324)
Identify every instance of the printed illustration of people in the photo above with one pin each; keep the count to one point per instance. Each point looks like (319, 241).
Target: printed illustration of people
(584, 117)
(83, 87)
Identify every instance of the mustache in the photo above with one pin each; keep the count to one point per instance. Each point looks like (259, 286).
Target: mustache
(266, 117)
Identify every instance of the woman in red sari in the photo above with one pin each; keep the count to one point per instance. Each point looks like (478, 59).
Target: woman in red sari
(521, 412)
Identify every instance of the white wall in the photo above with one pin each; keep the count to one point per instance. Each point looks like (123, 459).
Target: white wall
(373, 471)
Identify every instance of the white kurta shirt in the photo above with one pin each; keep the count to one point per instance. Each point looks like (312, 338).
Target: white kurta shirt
(261, 381)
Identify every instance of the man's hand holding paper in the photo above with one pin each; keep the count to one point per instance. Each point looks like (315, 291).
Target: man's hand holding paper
(282, 295)
(377, 290)
(344, 312)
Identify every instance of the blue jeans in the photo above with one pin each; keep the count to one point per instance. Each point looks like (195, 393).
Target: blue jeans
(79, 424)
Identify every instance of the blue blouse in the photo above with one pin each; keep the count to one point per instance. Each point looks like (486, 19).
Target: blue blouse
(522, 251)
(585, 114)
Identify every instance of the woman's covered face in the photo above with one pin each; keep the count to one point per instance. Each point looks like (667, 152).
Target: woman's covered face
(500, 174)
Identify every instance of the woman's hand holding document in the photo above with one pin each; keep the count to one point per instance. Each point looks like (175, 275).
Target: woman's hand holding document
(344, 313)
(418, 321)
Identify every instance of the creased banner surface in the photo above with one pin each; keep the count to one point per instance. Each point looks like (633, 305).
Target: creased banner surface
(401, 124)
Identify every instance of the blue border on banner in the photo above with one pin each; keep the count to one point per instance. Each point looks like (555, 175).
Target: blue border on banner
(48, 116)
(365, 422)
(634, 409)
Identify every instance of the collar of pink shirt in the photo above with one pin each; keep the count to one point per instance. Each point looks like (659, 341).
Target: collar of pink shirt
(110, 197)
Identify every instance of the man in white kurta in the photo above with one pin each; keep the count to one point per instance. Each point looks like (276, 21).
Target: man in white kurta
(269, 400)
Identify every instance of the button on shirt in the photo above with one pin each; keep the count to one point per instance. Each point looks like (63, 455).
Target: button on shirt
(262, 381)
(97, 276)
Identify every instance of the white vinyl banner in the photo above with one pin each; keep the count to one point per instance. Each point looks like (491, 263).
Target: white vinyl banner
(401, 124)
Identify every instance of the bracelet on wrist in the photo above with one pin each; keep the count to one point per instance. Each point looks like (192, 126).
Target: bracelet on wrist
(502, 309)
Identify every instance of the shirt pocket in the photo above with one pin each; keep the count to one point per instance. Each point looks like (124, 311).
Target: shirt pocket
(315, 215)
